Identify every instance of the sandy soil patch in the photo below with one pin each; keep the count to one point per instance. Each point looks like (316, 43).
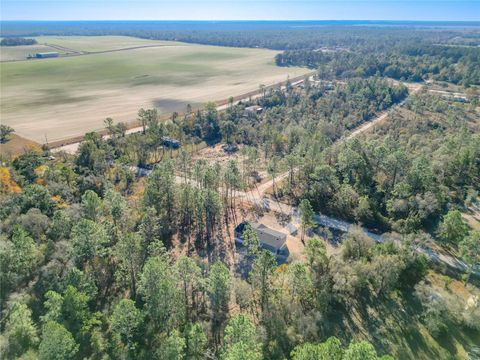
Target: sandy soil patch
(216, 155)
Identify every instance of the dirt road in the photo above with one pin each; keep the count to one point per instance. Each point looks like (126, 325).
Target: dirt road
(257, 197)
(67, 51)
(413, 88)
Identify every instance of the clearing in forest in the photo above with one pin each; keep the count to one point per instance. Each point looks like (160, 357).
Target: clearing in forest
(64, 97)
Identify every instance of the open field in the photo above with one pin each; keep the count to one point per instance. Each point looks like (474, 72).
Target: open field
(66, 97)
(68, 45)
(101, 43)
(9, 53)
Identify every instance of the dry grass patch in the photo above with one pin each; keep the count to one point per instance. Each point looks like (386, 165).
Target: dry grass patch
(17, 145)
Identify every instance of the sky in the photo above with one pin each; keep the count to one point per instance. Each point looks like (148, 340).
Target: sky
(452, 10)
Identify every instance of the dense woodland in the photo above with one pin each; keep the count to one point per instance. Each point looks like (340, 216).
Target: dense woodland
(455, 64)
(92, 267)
(99, 263)
(406, 174)
(278, 35)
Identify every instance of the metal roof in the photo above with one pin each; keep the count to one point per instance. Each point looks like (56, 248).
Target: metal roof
(267, 237)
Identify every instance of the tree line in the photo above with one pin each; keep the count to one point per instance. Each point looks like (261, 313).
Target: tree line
(17, 41)
(278, 35)
(415, 62)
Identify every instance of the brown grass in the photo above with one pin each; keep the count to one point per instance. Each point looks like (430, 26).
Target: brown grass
(16, 146)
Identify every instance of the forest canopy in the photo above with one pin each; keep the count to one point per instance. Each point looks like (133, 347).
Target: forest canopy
(128, 249)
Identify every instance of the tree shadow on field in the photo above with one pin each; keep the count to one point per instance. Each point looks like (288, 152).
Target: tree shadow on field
(392, 325)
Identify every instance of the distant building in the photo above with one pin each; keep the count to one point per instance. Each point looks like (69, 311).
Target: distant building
(47, 55)
(271, 240)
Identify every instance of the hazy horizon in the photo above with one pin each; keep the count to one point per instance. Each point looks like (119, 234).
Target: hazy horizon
(240, 10)
(332, 21)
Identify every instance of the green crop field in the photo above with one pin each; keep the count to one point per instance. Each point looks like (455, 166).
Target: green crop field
(59, 98)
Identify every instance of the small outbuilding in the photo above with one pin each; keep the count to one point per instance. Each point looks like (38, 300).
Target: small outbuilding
(45, 55)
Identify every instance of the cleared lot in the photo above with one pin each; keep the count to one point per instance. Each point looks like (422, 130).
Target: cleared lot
(66, 97)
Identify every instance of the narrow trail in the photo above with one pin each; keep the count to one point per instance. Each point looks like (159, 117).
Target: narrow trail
(382, 116)
(68, 51)
(449, 93)
(355, 132)
(130, 48)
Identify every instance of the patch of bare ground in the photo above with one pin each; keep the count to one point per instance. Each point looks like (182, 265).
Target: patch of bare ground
(277, 220)
(216, 155)
(472, 216)
(16, 146)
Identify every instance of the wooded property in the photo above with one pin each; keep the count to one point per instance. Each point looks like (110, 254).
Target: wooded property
(335, 215)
